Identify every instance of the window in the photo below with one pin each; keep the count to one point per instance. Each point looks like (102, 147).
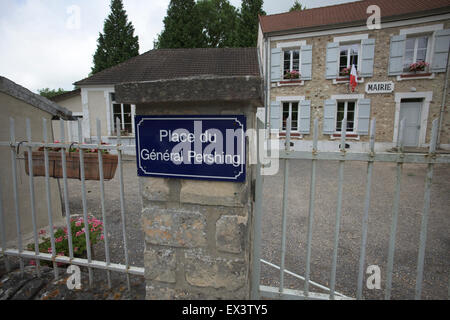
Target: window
(291, 67)
(346, 109)
(124, 113)
(348, 55)
(290, 109)
(415, 52)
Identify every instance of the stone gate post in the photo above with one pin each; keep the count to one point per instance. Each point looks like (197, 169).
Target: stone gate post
(198, 234)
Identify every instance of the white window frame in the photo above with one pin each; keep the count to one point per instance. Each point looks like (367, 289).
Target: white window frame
(416, 45)
(122, 122)
(346, 101)
(348, 40)
(290, 46)
(290, 115)
(348, 97)
(429, 30)
(284, 99)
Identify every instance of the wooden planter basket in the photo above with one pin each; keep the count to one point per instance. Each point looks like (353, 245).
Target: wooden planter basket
(91, 171)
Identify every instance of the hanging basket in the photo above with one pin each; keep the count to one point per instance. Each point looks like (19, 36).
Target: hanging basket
(91, 165)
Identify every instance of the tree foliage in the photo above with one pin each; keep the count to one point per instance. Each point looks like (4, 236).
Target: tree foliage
(182, 26)
(50, 93)
(297, 6)
(248, 22)
(219, 20)
(118, 42)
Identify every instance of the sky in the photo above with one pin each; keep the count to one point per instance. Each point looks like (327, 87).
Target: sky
(50, 43)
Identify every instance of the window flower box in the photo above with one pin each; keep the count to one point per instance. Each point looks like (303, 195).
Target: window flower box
(91, 165)
(292, 75)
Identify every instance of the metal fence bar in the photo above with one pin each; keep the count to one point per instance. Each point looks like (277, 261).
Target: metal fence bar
(391, 250)
(315, 284)
(32, 196)
(122, 202)
(312, 191)
(49, 199)
(66, 191)
(285, 202)
(366, 212)
(77, 261)
(102, 199)
(84, 202)
(15, 191)
(426, 208)
(338, 212)
(255, 295)
(2, 229)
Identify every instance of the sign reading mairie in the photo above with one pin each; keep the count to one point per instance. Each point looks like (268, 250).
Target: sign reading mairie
(191, 147)
(380, 87)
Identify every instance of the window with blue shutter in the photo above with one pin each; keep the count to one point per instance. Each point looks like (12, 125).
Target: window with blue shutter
(332, 60)
(305, 116)
(306, 62)
(275, 115)
(329, 116)
(397, 50)
(367, 57)
(440, 52)
(363, 116)
(275, 64)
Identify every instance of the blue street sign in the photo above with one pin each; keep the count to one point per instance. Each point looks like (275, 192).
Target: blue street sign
(191, 147)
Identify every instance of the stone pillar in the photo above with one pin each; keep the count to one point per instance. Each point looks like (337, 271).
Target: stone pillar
(198, 234)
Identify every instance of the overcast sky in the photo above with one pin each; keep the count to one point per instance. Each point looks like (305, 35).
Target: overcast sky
(44, 44)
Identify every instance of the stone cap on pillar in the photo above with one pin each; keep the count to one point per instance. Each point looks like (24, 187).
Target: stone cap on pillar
(193, 89)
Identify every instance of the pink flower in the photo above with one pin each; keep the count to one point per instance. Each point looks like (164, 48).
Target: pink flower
(42, 232)
(59, 239)
(49, 250)
(76, 249)
(102, 237)
(32, 262)
(78, 223)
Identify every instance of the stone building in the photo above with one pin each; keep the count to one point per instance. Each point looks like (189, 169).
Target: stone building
(307, 56)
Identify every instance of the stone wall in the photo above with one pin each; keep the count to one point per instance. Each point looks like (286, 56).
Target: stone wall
(382, 105)
(197, 233)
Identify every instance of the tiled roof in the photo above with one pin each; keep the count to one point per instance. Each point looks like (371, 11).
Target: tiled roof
(65, 95)
(352, 12)
(179, 63)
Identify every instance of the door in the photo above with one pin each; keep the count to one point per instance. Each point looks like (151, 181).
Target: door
(410, 110)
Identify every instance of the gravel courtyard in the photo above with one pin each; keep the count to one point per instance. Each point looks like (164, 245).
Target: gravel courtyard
(437, 259)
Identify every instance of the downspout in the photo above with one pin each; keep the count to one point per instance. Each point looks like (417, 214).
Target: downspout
(267, 79)
(444, 100)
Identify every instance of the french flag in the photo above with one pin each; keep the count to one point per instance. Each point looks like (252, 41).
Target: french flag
(353, 78)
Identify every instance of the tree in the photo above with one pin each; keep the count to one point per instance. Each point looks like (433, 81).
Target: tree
(182, 26)
(248, 22)
(297, 6)
(50, 93)
(219, 20)
(117, 43)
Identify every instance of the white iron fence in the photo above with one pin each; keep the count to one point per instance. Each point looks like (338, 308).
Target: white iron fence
(65, 147)
(430, 159)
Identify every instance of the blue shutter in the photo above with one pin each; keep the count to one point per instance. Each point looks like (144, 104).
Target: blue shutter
(305, 116)
(397, 50)
(329, 117)
(367, 57)
(275, 64)
(363, 116)
(440, 53)
(306, 62)
(275, 115)
(332, 63)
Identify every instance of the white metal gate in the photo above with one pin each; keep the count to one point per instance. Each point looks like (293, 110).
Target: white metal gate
(53, 257)
(399, 157)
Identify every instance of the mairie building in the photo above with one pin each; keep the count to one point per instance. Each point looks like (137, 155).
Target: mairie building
(401, 69)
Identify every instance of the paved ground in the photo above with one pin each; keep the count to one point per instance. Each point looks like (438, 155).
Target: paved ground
(437, 261)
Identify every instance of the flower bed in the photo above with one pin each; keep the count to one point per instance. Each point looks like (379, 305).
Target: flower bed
(78, 239)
